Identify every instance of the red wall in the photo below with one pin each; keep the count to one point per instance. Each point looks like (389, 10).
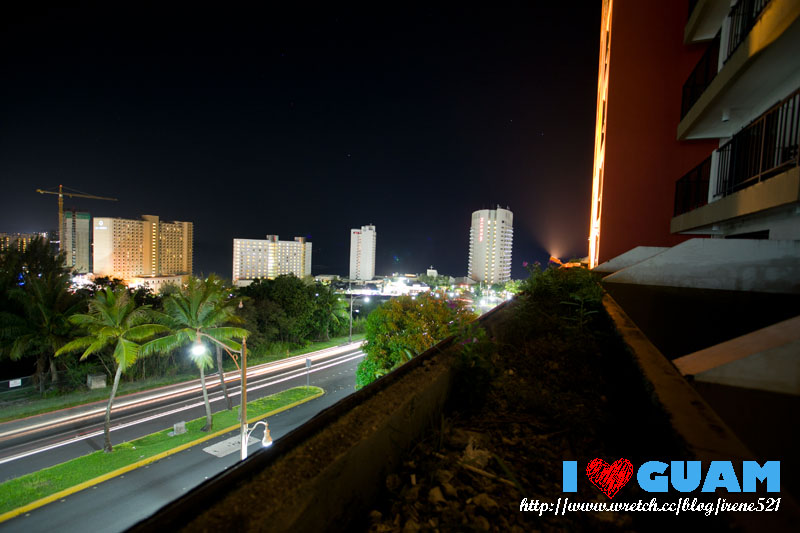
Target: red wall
(648, 66)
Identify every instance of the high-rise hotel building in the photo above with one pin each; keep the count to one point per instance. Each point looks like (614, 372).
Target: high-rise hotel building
(490, 239)
(362, 253)
(269, 258)
(76, 242)
(18, 241)
(146, 248)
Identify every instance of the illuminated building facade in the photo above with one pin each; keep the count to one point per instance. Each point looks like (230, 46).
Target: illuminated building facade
(76, 241)
(269, 258)
(20, 241)
(491, 236)
(362, 252)
(146, 248)
(697, 123)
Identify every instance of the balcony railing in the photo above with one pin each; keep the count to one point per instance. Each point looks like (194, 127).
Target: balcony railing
(763, 149)
(701, 76)
(743, 17)
(691, 191)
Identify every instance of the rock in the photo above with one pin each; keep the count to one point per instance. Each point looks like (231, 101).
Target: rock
(435, 496)
(443, 476)
(450, 490)
(375, 516)
(412, 494)
(485, 502)
(460, 438)
(475, 456)
(411, 526)
(481, 523)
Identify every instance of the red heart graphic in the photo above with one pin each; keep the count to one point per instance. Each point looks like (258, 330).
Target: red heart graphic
(609, 478)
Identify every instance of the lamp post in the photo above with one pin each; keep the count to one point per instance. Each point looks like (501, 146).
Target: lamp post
(197, 349)
(350, 290)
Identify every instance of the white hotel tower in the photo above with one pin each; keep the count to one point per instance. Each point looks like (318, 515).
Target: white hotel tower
(269, 258)
(490, 238)
(362, 253)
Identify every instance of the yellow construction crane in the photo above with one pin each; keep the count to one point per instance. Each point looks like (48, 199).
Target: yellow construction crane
(61, 194)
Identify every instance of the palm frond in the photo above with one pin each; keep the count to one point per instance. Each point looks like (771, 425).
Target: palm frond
(226, 333)
(125, 353)
(74, 345)
(170, 342)
(145, 331)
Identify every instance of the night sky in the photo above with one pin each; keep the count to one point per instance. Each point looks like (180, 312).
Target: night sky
(309, 122)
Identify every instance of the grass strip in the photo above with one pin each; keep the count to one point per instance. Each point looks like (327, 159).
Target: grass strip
(83, 472)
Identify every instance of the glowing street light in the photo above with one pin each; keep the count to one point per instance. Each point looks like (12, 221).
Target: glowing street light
(198, 349)
(266, 440)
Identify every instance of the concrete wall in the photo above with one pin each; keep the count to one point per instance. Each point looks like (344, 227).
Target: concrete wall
(767, 359)
(648, 66)
(729, 264)
(629, 258)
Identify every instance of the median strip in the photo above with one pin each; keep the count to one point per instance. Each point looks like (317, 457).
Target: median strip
(28, 492)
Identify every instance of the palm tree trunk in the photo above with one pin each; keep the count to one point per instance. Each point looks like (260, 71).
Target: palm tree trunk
(209, 421)
(40, 372)
(53, 371)
(222, 378)
(107, 426)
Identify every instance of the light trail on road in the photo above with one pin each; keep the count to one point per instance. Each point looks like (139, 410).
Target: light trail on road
(292, 374)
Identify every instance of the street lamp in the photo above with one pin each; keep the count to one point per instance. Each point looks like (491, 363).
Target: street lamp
(198, 348)
(266, 440)
(351, 313)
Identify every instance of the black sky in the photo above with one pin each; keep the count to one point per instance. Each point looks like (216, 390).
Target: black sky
(309, 122)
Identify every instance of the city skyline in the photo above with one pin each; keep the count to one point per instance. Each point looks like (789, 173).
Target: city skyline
(305, 124)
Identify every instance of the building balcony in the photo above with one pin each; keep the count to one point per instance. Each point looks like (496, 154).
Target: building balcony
(700, 78)
(705, 19)
(765, 148)
(757, 63)
(691, 191)
(755, 171)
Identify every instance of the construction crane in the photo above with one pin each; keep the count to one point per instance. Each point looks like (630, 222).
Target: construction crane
(61, 194)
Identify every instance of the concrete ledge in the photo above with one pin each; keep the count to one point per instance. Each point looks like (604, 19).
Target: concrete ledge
(629, 258)
(767, 359)
(726, 264)
(705, 433)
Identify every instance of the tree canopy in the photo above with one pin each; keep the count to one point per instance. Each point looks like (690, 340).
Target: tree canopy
(404, 327)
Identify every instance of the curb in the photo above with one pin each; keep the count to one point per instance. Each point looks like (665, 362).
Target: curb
(133, 466)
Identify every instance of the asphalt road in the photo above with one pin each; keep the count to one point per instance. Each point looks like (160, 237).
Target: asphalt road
(121, 502)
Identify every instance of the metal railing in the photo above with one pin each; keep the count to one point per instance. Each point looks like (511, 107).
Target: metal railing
(13, 389)
(764, 148)
(743, 17)
(701, 76)
(691, 191)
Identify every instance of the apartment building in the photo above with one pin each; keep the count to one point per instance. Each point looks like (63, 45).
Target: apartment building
(491, 236)
(147, 248)
(363, 242)
(269, 258)
(76, 241)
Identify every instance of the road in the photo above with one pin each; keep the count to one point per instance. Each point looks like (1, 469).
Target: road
(121, 502)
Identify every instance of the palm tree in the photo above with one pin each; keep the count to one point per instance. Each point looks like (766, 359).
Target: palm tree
(194, 314)
(330, 310)
(113, 320)
(40, 324)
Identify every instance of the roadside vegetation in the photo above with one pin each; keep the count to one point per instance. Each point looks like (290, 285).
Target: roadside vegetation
(63, 334)
(403, 328)
(29, 488)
